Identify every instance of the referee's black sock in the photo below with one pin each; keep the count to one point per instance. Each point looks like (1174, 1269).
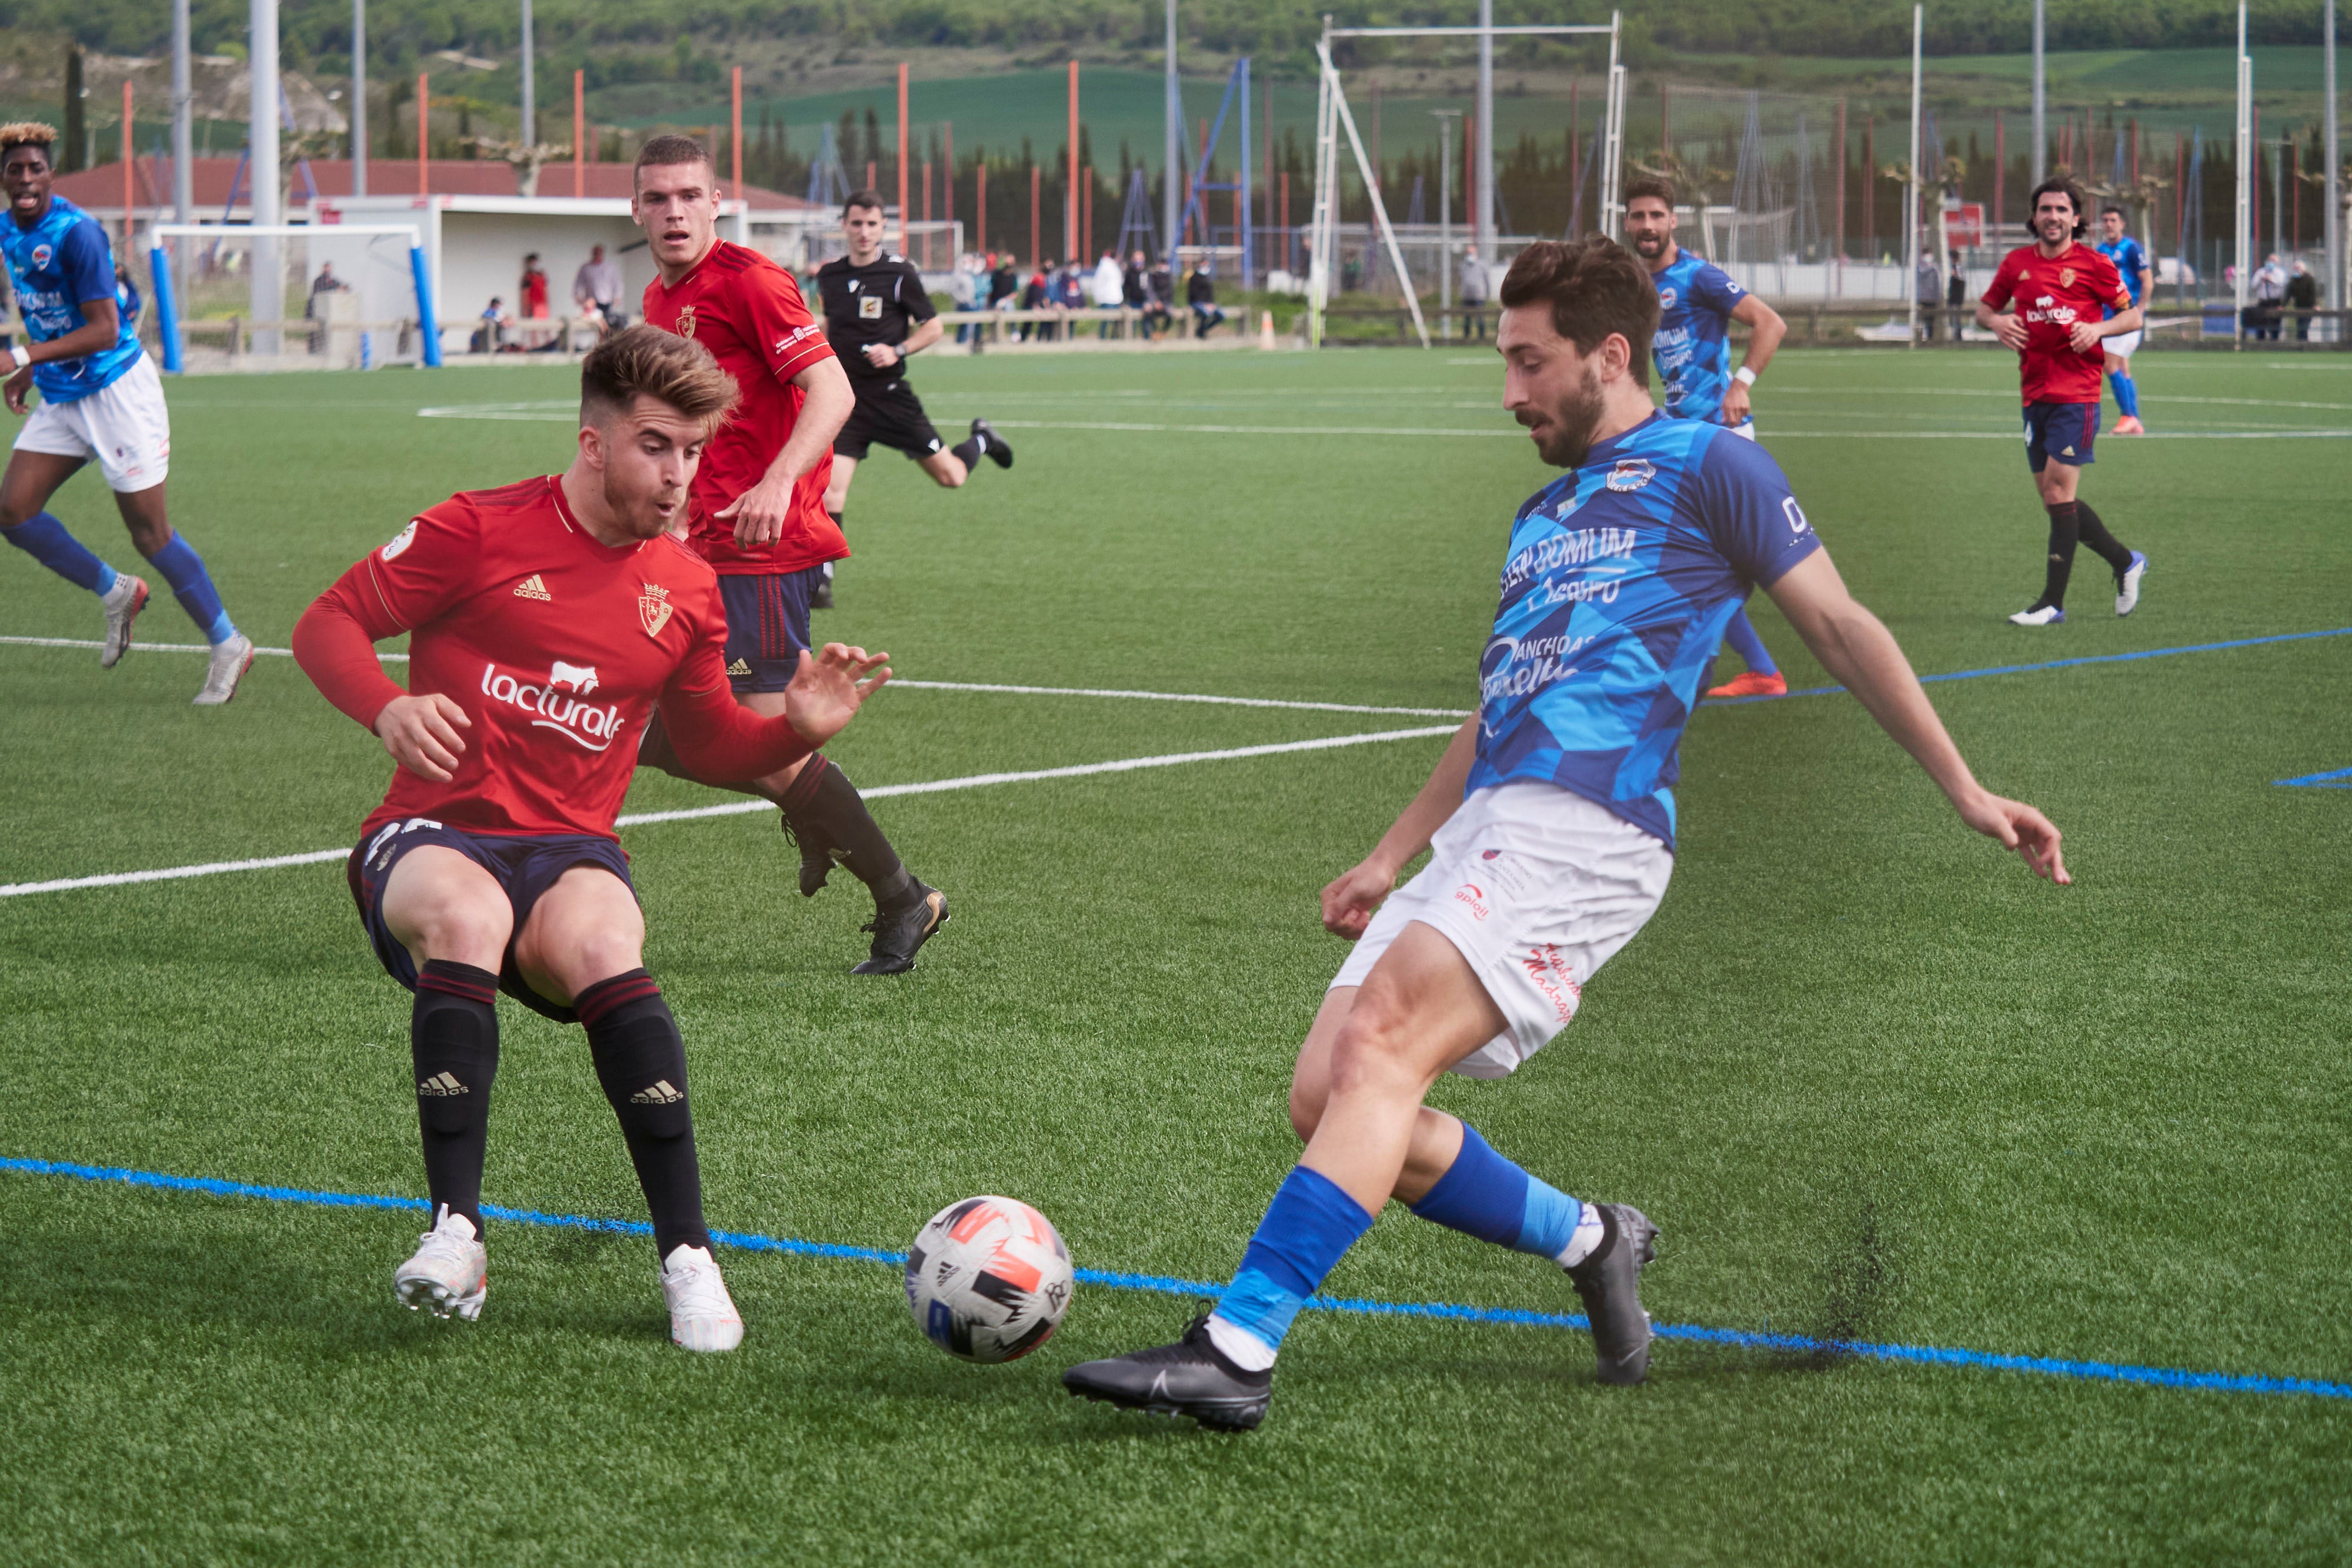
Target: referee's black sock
(641, 1061)
(2113, 551)
(828, 805)
(453, 1037)
(2066, 524)
(969, 451)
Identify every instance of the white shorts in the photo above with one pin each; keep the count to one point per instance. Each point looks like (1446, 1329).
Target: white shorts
(2122, 345)
(1746, 427)
(1536, 887)
(122, 424)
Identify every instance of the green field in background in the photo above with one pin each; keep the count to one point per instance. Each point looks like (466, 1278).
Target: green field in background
(1865, 1073)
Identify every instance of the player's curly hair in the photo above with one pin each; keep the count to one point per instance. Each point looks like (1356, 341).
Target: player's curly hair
(1595, 286)
(1656, 186)
(2059, 184)
(660, 152)
(29, 133)
(644, 360)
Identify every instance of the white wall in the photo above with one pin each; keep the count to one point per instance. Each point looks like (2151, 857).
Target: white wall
(481, 256)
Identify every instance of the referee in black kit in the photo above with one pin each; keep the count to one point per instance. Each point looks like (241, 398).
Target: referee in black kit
(877, 316)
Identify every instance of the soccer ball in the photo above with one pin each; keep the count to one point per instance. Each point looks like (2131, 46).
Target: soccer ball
(988, 1278)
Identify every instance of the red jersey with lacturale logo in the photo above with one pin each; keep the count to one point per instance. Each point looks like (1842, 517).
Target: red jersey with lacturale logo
(2052, 293)
(749, 313)
(558, 648)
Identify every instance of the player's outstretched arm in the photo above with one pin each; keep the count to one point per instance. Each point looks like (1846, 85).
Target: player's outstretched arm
(1858, 650)
(827, 689)
(1349, 902)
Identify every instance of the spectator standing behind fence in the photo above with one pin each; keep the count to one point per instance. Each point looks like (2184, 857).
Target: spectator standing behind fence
(1474, 292)
(1035, 295)
(964, 286)
(2303, 293)
(1928, 285)
(1070, 292)
(1135, 292)
(533, 289)
(1162, 284)
(2269, 290)
(1955, 294)
(597, 290)
(1200, 294)
(1109, 285)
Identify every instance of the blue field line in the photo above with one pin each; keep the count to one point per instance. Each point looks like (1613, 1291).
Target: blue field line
(2062, 665)
(2339, 779)
(1161, 1284)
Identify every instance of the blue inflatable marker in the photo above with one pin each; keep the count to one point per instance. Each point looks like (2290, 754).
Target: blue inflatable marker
(426, 322)
(167, 315)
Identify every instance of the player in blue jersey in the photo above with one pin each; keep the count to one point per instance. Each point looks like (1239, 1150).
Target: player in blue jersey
(1550, 820)
(2131, 260)
(1697, 303)
(100, 398)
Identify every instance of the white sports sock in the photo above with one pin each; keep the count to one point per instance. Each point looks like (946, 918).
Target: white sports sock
(1240, 1346)
(1580, 1241)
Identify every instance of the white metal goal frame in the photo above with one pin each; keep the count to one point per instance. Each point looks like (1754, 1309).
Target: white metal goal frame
(160, 272)
(1332, 116)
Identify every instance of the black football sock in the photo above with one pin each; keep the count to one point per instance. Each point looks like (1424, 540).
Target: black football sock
(2112, 550)
(969, 451)
(641, 1061)
(2065, 526)
(829, 805)
(453, 1037)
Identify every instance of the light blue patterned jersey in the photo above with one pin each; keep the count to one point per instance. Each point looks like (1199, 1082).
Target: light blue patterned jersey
(1693, 348)
(2130, 258)
(1621, 578)
(54, 267)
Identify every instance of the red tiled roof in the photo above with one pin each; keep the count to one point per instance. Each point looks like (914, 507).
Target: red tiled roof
(102, 187)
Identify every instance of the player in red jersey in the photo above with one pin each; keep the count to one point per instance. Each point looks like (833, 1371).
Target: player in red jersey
(757, 514)
(545, 620)
(2059, 289)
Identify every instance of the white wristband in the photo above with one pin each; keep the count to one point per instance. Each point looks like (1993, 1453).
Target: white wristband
(22, 355)
(1744, 376)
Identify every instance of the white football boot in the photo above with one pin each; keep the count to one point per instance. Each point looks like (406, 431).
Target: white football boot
(2128, 584)
(230, 661)
(2044, 615)
(450, 1271)
(702, 1315)
(123, 603)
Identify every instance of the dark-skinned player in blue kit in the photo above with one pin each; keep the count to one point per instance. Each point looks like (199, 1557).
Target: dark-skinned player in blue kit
(1697, 303)
(101, 399)
(1550, 823)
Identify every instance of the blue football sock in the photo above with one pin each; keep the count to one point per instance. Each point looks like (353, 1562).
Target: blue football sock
(184, 568)
(1486, 1195)
(1307, 1228)
(1747, 644)
(46, 540)
(2127, 394)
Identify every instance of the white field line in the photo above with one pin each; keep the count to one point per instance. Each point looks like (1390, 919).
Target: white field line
(912, 684)
(742, 808)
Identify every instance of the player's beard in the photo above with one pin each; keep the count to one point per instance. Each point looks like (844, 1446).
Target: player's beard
(1574, 420)
(635, 510)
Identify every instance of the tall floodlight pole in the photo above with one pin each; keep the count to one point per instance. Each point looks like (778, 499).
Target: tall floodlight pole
(268, 282)
(2041, 101)
(359, 96)
(1445, 118)
(1482, 226)
(1171, 155)
(184, 173)
(2332, 189)
(530, 136)
(2242, 222)
(1613, 149)
(1911, 190)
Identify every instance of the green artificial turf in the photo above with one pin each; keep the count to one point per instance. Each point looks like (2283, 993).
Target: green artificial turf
(1872, 1081)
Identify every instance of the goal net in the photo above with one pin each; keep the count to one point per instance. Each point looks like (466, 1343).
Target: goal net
(323, 297)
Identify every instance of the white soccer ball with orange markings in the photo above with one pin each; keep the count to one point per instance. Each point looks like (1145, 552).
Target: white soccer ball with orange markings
(988, 1278)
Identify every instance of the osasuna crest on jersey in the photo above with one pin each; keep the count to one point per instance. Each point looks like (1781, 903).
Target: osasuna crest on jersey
(653, 608)
(685, 320)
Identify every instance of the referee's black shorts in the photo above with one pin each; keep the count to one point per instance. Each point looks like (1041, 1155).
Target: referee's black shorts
(887, 413)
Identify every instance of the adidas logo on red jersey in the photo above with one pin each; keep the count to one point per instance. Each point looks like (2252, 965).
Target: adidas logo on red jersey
(531, 586)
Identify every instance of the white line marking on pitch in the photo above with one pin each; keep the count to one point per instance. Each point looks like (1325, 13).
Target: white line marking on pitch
(742, 807)
(914, 684)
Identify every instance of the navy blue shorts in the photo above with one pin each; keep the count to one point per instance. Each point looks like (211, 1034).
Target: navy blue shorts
(525, 867)
(2060, 432)
(767, 626)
